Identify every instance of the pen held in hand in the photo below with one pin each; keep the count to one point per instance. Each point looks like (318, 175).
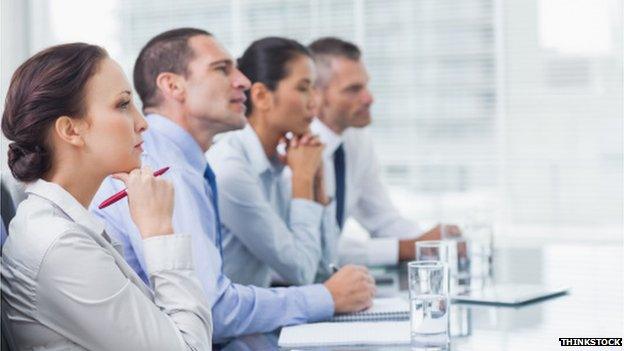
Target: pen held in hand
(121, 194)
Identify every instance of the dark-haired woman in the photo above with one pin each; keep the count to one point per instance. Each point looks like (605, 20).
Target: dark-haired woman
(275, 219)
(70, 117)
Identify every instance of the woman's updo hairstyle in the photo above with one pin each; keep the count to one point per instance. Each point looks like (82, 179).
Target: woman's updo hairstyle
(266, 61)
(47, 86)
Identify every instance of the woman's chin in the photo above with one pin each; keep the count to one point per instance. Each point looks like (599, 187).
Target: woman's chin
(301, 130)
(127, 167)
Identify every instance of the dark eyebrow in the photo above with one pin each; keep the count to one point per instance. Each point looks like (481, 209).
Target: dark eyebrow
(354, 86)
(305, 80)
(126, 92)
(220, 62)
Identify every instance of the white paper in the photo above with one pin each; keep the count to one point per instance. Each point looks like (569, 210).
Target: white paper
(347, 333)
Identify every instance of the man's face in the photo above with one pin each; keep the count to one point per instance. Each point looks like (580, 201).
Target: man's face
(346, 99)
(214, 87)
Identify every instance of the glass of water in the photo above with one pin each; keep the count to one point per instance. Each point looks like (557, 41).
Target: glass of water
(429, 303)
(431, 250)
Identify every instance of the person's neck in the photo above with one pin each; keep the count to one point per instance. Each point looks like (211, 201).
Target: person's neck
(81, 183)
(335, 127)
(200, 131)
(268, 138)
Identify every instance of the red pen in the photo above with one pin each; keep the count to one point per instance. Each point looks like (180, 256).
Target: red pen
(120, 195)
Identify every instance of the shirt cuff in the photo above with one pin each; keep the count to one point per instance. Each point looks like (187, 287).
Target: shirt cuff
(305, 211)
(319, 302)
(382, 251)
(168, 252)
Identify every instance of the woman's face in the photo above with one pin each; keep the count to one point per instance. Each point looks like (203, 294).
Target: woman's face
(294, 100)
(114, 125)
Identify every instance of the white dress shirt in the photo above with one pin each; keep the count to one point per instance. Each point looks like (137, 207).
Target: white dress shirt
(264, 228)
(366, 199)
(67, 287)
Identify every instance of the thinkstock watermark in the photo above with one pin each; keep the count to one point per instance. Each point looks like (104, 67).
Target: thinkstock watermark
(590, 342)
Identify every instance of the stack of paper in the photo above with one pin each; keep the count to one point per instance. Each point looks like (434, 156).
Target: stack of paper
(345, 334)
(385, 323)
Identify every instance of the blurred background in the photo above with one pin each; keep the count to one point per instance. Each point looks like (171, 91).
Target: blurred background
(507, 111)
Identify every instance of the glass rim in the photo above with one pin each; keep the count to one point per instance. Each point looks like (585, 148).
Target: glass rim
(430, 243)
(426, 264)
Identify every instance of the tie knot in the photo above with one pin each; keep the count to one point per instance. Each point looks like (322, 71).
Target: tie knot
(209, 175)
(339, 151)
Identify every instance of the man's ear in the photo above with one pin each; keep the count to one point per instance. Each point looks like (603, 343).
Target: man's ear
(261, 96)
(71, 130)
(171, 85)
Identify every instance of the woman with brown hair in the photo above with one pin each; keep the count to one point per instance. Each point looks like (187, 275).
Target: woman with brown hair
(70, 117)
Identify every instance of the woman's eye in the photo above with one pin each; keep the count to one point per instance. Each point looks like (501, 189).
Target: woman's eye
(124, 105)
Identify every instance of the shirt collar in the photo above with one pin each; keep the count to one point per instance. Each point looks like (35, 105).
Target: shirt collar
(181, 138)
(66, 202)
(260, 163)
(328, 136)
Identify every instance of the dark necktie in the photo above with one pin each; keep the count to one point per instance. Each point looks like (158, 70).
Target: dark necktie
(212, 181)
(339, 171)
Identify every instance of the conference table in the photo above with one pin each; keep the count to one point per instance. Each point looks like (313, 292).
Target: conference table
(593, 307)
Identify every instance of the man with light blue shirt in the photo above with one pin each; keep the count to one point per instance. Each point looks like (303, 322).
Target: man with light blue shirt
(191, 91)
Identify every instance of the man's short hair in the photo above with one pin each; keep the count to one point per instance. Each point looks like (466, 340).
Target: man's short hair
(166, 52)
(327, 48)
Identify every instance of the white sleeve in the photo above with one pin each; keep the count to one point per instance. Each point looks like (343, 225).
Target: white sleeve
(373, 208)
(84, 296)
(369, 252)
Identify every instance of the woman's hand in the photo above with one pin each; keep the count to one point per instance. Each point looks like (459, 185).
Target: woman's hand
(304, 157)
(150, 200)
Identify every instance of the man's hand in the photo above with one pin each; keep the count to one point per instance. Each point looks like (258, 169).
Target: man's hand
(352, 289)
(407, 247)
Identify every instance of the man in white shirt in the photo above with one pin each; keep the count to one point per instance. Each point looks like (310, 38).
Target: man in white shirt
(351, 168)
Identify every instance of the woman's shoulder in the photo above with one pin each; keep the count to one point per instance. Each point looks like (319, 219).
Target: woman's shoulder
(37, 228)
(228, 151)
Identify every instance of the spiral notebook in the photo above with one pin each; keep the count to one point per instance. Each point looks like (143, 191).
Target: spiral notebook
(383, 309)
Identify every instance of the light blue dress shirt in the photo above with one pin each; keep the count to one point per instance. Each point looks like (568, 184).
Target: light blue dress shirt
(266, 228)
(236, 309)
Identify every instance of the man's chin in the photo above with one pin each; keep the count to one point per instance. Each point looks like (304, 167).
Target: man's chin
(361, 123)
(242, 122)
(237, 122)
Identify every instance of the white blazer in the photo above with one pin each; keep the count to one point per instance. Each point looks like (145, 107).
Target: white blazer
(66, 286)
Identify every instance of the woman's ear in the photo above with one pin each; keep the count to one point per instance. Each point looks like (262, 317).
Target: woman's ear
(71, 130)
(261, 97)
(171, 85)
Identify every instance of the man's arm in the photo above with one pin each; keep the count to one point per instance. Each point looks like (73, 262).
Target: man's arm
(392, 234)
(375, 211)
(241, 310)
